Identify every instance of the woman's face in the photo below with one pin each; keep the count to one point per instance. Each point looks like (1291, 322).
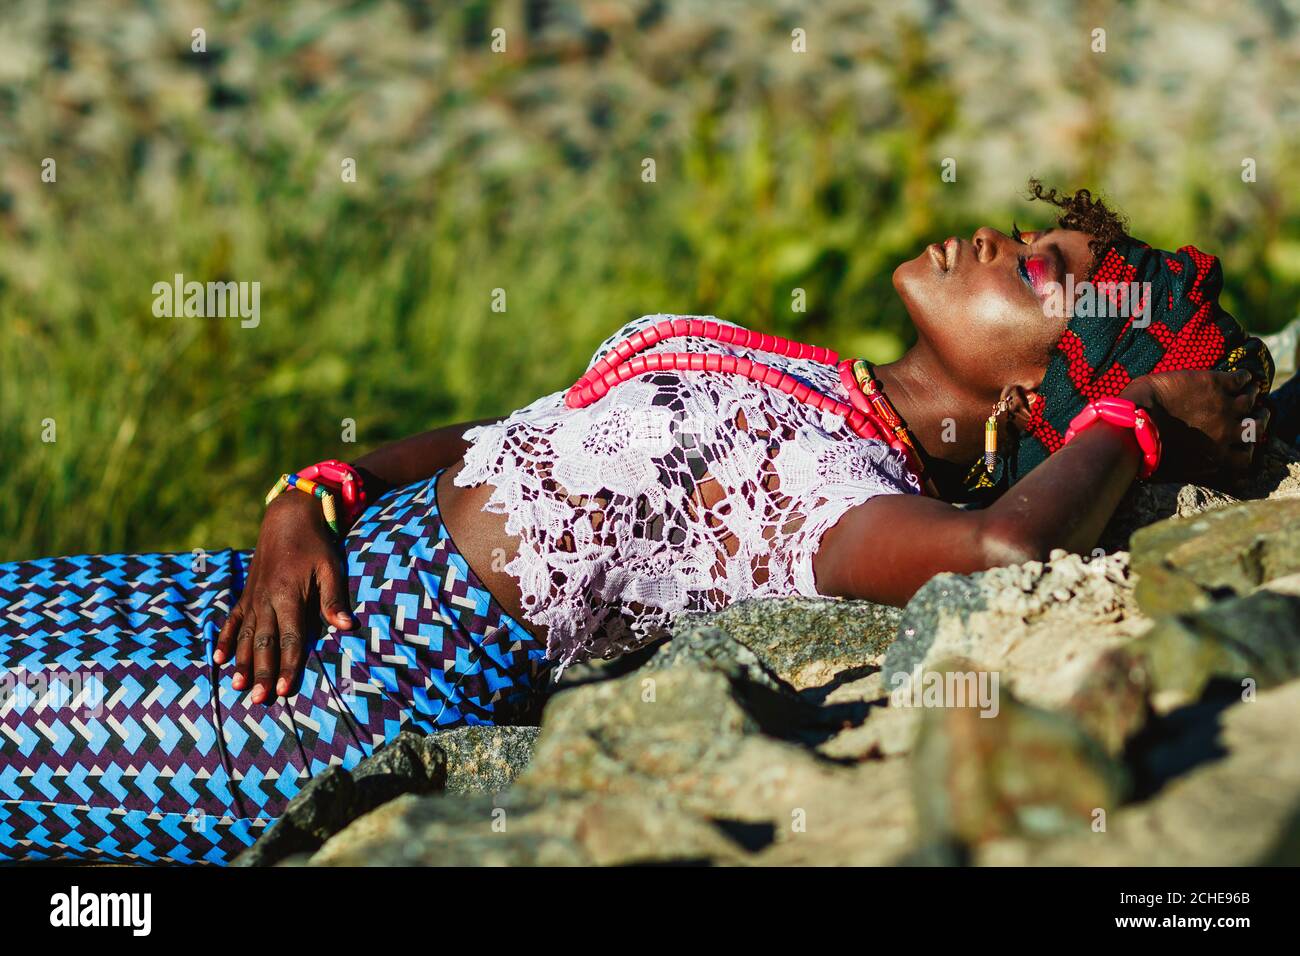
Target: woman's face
(985, 306)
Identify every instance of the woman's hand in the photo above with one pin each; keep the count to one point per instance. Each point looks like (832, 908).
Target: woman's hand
(1201, 416)
(296, 569)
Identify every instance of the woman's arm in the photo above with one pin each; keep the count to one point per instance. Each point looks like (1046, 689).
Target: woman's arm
(415, 458)
(886, 548)
(297, 568)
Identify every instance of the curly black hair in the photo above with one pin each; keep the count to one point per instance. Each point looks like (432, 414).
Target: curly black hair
(1082, 212)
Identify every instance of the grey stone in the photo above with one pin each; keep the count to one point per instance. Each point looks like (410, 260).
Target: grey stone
(1237, 808)
(1150, 502)
(1041, 626)
(683, 737)
(483, 759)
(807, 642)
(1186, 564)
(551, 831)
(1254, 638)
(335, 797)
(466, 760)
(1021, 772)
(712, 648)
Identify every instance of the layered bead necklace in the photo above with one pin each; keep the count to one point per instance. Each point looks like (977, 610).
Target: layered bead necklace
(869, 415)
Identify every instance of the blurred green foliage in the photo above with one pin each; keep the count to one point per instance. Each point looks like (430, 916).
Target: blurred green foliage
(522, 170)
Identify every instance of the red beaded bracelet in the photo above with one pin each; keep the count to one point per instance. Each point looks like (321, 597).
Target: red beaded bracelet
(1122, 412)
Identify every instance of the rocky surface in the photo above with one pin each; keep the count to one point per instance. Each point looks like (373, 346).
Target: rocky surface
(1117, 708)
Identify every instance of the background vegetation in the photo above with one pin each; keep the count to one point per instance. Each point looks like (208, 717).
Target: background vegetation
(522, 171)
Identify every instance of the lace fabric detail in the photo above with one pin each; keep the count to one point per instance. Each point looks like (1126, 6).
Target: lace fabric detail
(676, 491)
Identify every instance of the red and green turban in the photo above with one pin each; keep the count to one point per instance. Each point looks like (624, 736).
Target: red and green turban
(1105, 349)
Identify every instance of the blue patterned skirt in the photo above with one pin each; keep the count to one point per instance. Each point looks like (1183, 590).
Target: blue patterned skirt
(120, 740)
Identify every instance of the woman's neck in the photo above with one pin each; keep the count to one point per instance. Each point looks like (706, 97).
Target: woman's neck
(944, 420)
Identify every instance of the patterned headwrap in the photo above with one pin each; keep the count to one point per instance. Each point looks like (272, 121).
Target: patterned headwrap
(1099, 354)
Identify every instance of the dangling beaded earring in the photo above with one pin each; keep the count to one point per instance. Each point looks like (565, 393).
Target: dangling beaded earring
(991, 435)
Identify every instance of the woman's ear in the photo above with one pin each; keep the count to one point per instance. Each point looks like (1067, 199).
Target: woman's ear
(1021, 403)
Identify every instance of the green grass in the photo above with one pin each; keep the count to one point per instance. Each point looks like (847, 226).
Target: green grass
(376, 296)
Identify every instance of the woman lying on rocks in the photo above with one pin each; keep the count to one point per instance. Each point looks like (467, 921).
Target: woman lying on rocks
(694, 464)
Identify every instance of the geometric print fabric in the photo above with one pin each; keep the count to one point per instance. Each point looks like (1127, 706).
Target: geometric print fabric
(120, 740)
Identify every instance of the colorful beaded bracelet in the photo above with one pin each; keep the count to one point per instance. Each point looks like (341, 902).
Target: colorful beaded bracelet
(1122, 412)
(325, 480)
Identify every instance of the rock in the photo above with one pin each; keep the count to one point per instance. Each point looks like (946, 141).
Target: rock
(591, 831)
(1236, 808)
(652, 733)
(1021, 772)
(1185, 564)
(332, 799)
(1254, 638)
(461, 761)
(867, 689)
(477, 830)
(807, 642)
(683, 737)
(773, 703)
(715, 649)
(634, 829)
(483, 759)
(1041, 626)
(1111, 700)
(665, 764)
(887, 732)
(1149, 502)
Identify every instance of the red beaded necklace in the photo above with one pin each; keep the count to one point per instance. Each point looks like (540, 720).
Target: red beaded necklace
(871, 414)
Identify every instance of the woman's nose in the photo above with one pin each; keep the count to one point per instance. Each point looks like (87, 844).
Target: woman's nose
(986, 241)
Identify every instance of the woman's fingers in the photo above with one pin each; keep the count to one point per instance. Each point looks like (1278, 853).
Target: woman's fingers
(1262, 414)
(1245, 400)
(292, 624)
(265, 653)
(1234, 382)
(226, 636)
(334, 599)
(244, 649)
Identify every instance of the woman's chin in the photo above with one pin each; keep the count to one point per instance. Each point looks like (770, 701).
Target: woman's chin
(912, 277)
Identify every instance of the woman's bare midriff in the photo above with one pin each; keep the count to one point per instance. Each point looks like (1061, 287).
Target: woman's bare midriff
(481, 539)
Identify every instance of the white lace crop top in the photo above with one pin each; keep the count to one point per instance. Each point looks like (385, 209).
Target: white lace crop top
(676, 491)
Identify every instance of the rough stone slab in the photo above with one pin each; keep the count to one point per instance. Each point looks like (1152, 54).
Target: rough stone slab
(583, 831)
(1254, 638)
(1021, 772)
(332, 799)
(1149, 502)
(483, 759)
(805, 641)
(1185, 564)
(1241, 809)
(1041, 626)
(887, 732)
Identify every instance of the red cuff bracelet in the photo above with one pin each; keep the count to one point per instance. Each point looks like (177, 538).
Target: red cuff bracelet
(325, 479)
(1122, 412)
